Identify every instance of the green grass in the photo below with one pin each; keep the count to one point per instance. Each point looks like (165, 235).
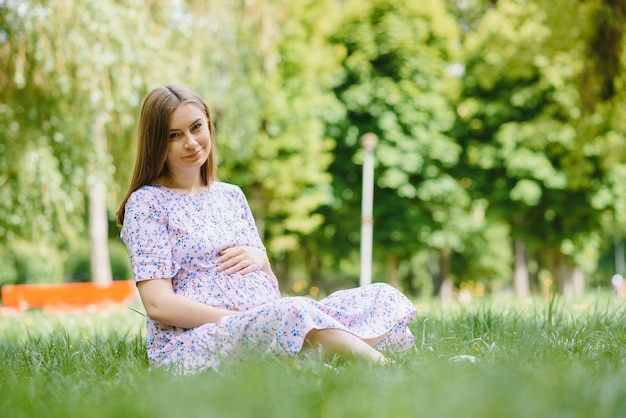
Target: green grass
(535, 359)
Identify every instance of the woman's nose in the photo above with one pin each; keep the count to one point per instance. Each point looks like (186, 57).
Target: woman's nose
(190, 141)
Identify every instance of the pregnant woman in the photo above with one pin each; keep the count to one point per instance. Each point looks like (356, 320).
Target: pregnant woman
(201, 268)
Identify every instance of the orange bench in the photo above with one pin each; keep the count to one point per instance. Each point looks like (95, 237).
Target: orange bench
(67, 296)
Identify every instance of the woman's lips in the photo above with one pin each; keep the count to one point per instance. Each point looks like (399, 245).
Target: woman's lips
(194, 156)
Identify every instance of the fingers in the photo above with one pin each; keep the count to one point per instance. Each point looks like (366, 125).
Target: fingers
(252, 267)
(240, 259)
(243, 267)
(229, 253)
(229, 259)
(231, 256)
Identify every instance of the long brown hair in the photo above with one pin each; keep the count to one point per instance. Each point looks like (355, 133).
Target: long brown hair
(154, 140)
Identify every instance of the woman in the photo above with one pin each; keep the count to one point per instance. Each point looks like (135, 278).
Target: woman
(202, 270)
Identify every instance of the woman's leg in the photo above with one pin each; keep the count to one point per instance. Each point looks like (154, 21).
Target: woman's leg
(342, 343)
(373, 342)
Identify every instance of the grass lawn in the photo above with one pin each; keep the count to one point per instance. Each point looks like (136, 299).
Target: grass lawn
(533, 359)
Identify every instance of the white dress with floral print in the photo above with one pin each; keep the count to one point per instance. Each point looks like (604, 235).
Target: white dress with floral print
(179, 236)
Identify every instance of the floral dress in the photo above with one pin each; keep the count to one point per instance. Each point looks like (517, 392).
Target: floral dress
(179, 236)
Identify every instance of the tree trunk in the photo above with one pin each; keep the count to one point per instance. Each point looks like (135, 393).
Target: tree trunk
(393, 270)
(258, 208)
(570, 278)
(443, 285)
(312, 262)
(573, 281)
(521, 281)
(408, 286)
(620, 264)
(98, 218)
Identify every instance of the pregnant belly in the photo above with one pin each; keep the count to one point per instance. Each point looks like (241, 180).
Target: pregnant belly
(237, 292)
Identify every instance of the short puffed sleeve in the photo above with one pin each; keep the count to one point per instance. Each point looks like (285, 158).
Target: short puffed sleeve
(145, 233)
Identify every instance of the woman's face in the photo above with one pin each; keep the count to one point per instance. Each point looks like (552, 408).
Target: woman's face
(190, 140)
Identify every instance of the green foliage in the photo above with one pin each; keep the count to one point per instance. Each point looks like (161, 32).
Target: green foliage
(530, 145)
(396, 85)
(485, 259)
(120, 263)
(8, 270)
(531, 132)
(65, 65)
(78, 264)
(36, 262)
(604, 49)
(272, 129)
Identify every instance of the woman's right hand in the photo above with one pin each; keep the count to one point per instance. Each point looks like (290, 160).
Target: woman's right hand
(241, 259)
(244, 259)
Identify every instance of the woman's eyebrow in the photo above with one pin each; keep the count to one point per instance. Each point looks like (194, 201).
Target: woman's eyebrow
(191, 124)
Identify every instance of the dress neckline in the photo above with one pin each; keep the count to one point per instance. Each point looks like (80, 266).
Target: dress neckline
(181, 194)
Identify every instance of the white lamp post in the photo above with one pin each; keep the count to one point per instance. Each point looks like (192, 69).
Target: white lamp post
(368, 141)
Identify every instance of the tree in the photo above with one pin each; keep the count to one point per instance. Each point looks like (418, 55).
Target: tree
(535, 150)
(71, 69)
(396, 85)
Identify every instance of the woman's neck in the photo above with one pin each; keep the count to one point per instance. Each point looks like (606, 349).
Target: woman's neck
(182, 184)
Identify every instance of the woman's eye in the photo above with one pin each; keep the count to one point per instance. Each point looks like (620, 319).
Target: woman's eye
(197, 126)
(173, 135)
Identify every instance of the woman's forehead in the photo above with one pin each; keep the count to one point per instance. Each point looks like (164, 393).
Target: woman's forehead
(185, 115)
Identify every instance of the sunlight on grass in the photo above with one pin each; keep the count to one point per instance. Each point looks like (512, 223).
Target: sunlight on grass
(485, 359)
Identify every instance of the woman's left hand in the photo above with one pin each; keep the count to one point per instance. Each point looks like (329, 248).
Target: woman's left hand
(241, 259)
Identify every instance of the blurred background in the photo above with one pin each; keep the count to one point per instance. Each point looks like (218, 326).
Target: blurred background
(501, 130)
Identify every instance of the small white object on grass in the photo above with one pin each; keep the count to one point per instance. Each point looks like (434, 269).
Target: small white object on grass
(464, 357)
(617, 281)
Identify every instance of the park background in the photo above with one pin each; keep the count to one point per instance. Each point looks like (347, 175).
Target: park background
(501, 132)
(501, 142)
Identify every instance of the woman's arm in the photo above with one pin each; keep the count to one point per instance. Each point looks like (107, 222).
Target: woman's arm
(165, 306)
